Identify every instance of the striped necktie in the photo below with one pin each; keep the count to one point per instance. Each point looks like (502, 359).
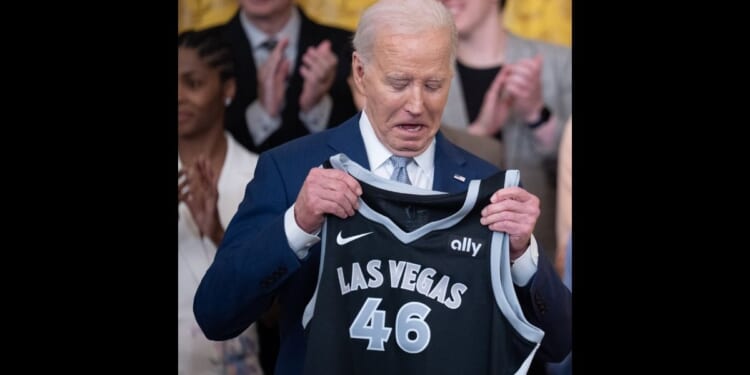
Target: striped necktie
(399, 169)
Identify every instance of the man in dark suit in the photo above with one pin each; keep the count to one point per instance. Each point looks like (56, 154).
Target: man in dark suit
(405, 52)
(291, 74)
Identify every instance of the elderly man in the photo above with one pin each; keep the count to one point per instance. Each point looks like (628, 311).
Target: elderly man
(403, 65)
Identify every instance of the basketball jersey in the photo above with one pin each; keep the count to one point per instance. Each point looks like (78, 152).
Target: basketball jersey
(413, 283)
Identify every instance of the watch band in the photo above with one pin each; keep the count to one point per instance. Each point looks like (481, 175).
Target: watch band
(544, 116)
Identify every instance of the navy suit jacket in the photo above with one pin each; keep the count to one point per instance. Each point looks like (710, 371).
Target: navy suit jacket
(254, 262)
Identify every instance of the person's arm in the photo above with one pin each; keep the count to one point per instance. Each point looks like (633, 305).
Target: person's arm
(544, 125)
(256, 256)
(318, 70)
(564, 212)
(259, 123)
(263, 115)
(547, 304)
(299, 240)
(525, 85)
(558, 90)
(316, 118)
(253, 260)
(524, 267)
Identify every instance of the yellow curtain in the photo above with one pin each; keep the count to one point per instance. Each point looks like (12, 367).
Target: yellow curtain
(339, 13)
(201, 14)
(547, 20)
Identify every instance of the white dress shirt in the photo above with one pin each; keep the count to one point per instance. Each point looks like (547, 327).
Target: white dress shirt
(421, 173)
(259, 123)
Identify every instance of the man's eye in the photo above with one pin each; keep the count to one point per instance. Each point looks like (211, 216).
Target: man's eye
(193, 83)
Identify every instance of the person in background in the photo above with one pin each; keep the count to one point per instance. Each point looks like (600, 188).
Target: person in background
(212, 172)
(564, 256)
(516, 89)
(565, 367)
(403, 64)
(291, 81)
(564, 220)
(291, 74)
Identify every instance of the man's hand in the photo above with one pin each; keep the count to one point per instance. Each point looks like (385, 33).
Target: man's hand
(514, 211)
(318, 70)
(272, 79)
(325, 191)
(524, 85)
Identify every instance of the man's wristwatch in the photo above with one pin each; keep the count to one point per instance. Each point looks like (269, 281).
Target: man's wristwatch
(544, 116)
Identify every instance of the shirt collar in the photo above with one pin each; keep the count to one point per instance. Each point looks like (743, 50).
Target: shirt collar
(377, 154)
(290, 31)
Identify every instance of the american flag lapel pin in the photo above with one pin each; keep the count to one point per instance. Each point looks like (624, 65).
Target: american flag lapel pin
(459, 177)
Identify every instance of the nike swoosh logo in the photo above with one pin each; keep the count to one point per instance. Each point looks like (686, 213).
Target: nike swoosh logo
(343, 241)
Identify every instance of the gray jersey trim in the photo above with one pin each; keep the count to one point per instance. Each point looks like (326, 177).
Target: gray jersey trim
(505, 295)
(446, 222)
(310, 308)
(340, 161)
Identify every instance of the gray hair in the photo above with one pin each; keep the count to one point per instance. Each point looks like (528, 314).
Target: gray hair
(410, 17)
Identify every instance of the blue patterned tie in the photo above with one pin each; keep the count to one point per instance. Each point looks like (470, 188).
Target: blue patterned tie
(399, 169)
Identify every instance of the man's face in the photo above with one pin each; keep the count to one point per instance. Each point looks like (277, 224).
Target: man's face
(405, 86)
(469, 15)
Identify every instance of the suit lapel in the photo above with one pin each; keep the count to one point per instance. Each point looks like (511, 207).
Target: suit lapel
(450, 167)
(347, 138)
(244, 63)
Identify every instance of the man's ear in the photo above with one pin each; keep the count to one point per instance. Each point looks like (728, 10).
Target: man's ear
(358, 72)
(356, 82)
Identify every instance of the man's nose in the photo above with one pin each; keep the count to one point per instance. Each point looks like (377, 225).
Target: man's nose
(415, 102)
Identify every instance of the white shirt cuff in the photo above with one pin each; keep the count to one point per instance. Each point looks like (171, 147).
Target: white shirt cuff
(524, 268)
(299, 240)
(316, 119)
(259, 123)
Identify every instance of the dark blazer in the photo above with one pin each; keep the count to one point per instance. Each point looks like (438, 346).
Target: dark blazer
(311, 34)
(254, 261)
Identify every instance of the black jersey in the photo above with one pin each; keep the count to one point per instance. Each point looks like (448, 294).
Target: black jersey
(414, 284)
